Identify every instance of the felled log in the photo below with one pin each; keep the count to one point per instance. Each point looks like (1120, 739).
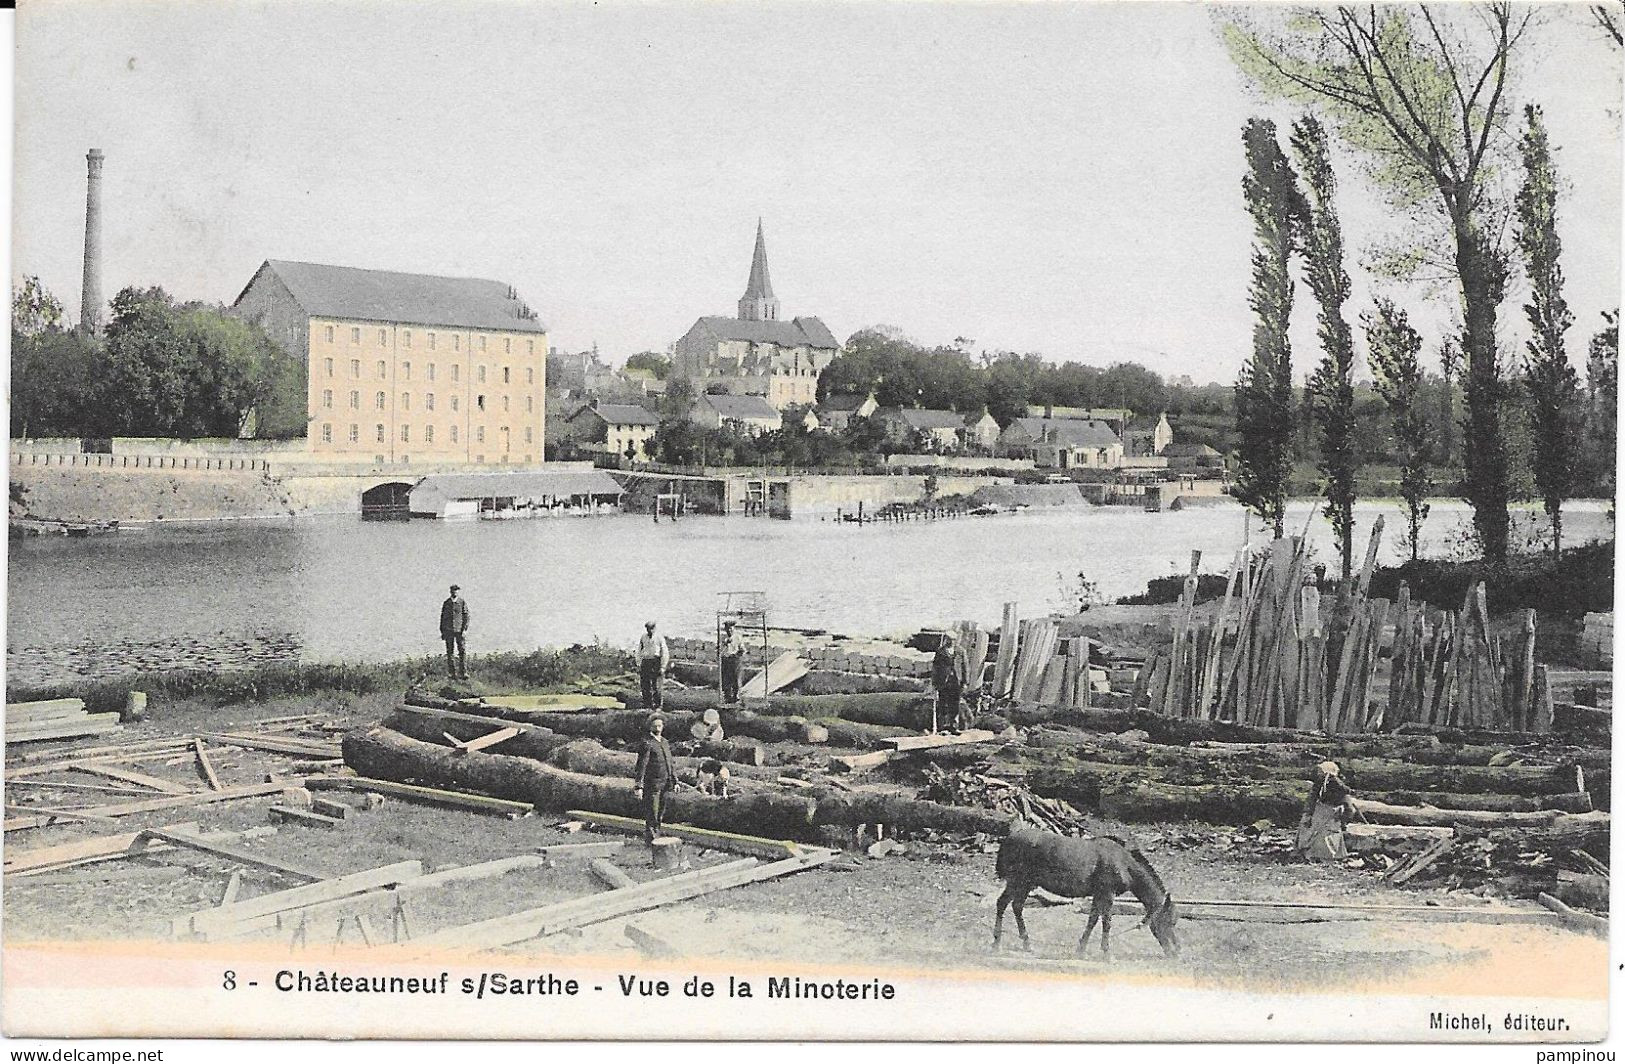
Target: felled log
(1144, 801)
(1417, 816)
(431, 725)
(591, 757)
(897, 709)
(1577, 802)
(388, 754)
(774, 813)
(1573, 718)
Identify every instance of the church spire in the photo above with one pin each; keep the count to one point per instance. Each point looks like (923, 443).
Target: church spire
(758, 302)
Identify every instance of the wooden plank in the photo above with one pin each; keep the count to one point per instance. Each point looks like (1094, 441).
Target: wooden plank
(859, 762)
(43, 858)
(785, 669)
(416, 885)
(499, 736)
(329, 808)
(51, 815)
(287, 814)
(22, 709)
(928, 742)
(276, 744)
(1404, 873)
(140, 779)
(1574, 918)
(96, 724)
(205, 921)
(114, 750)
(204, 763)
(61, 785)
(179, 801)
(705, 837)
(477, 802)
(610, 875)
(505, 930)
(1314, 911)
(581, 849)
(230, 853)
(233, 886)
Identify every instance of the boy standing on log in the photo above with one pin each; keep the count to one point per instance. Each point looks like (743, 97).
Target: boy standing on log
(453, 627)
(653, 778)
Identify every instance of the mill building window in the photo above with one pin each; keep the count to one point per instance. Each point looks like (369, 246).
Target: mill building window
(355, 400)
(430, 371)
(355, 367)
(507, 345)
(327, 334)
(406, 400)
(454, 404)
(406, 370)
(327, 399)
(428, 400)
(480, 375)
(327, 433)
(428, 434)
(378, 401)
(454, 434)
(406, 337)
(383, 337)
(479, 434)
(327, 363)
(380, 434)
(355, 433)
(383, 369)
(355, 335)
(505, 377)
(406, 433)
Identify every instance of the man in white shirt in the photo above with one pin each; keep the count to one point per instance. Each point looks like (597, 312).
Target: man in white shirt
(653, 660)
(729, 656)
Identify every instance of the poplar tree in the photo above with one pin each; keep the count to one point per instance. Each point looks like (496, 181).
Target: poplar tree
(1394, 350)
(1550, 381)
(1264, 419)
(1331, 387)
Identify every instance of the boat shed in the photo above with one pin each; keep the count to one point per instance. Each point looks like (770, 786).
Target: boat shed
(537, 493)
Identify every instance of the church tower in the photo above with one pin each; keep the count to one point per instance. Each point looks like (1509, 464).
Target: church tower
(758, 302)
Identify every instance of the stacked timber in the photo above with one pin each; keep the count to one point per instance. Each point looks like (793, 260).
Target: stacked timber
(56, 718)
(1036, 663)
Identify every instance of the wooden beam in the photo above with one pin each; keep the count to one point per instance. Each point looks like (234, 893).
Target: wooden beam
(93, 724)
(705, 837)
(416, 885)
(1311, 911)
(18, 710)
(610, 875)
(115, 750)
(477, 802)
(204, 764)
(230, 853)
(140, 779)
(902, 743)
(62, 785)
(40, 762)
(518, 927)
(179, 801)
(205, 921)
(34, 812)
(1574, 918)
(290, 815)
(498, 736)
(859, 762)
(45, 858)
(276, 744)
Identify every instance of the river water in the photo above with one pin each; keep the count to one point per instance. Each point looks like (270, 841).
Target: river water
(340, 589)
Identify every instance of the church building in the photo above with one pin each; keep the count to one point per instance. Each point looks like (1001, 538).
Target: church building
(757, 353)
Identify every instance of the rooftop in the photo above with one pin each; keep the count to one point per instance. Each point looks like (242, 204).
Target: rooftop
(405, 298)
(620, 414)
(797, 332)
(742, 407)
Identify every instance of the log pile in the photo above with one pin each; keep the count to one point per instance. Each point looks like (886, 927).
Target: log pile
(56, 718)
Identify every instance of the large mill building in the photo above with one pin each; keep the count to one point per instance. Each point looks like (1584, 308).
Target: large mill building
(406, 367)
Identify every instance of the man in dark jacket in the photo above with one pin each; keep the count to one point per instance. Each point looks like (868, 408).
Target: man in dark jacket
(946, 679)
(653, 778)
(453, 624)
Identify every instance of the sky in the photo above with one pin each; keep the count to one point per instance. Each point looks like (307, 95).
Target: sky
(1041, 177)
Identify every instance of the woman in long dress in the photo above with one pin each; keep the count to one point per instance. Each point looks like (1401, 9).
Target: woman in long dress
(1320, 831)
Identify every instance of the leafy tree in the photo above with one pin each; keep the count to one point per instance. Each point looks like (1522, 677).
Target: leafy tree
(34, 310)
(1552, 385)
(652, 361)
(1421, 93)
(189, 370)
(56, 383)
(1394, 349)
(678, 401)
(1264, 389)
(1331, 387)
(1602, 377)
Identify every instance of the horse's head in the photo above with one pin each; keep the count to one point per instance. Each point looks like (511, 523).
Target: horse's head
(1164, 923)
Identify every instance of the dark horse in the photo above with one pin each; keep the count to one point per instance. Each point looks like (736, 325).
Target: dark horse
(1083, 868)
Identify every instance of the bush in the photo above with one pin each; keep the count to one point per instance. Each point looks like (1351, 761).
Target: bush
(1163, 590)
(1581, 582)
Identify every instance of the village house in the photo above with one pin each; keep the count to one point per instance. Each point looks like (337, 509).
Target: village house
(980, 432)
(404, 367)
(940, 429)
(1194, 458)
(1062, 443)
(757, 353)
(610, 428)
(748, 415)
(836, 412)
(1146, 438)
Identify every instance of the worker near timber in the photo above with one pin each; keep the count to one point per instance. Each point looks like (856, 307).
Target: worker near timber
(453, 626)
(654, 777)
(730, 653)
(712, 778)
(708, 729)
(1327, 811)
(945, 677)
(653, 661)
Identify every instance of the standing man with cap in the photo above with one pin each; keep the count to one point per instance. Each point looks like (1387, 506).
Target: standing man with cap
(653, 778)
(729, 655)
(453, 625)
(653, 660)
(946, 679)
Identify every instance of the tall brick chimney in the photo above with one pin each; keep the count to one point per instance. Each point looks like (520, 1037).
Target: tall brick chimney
(90, 299)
